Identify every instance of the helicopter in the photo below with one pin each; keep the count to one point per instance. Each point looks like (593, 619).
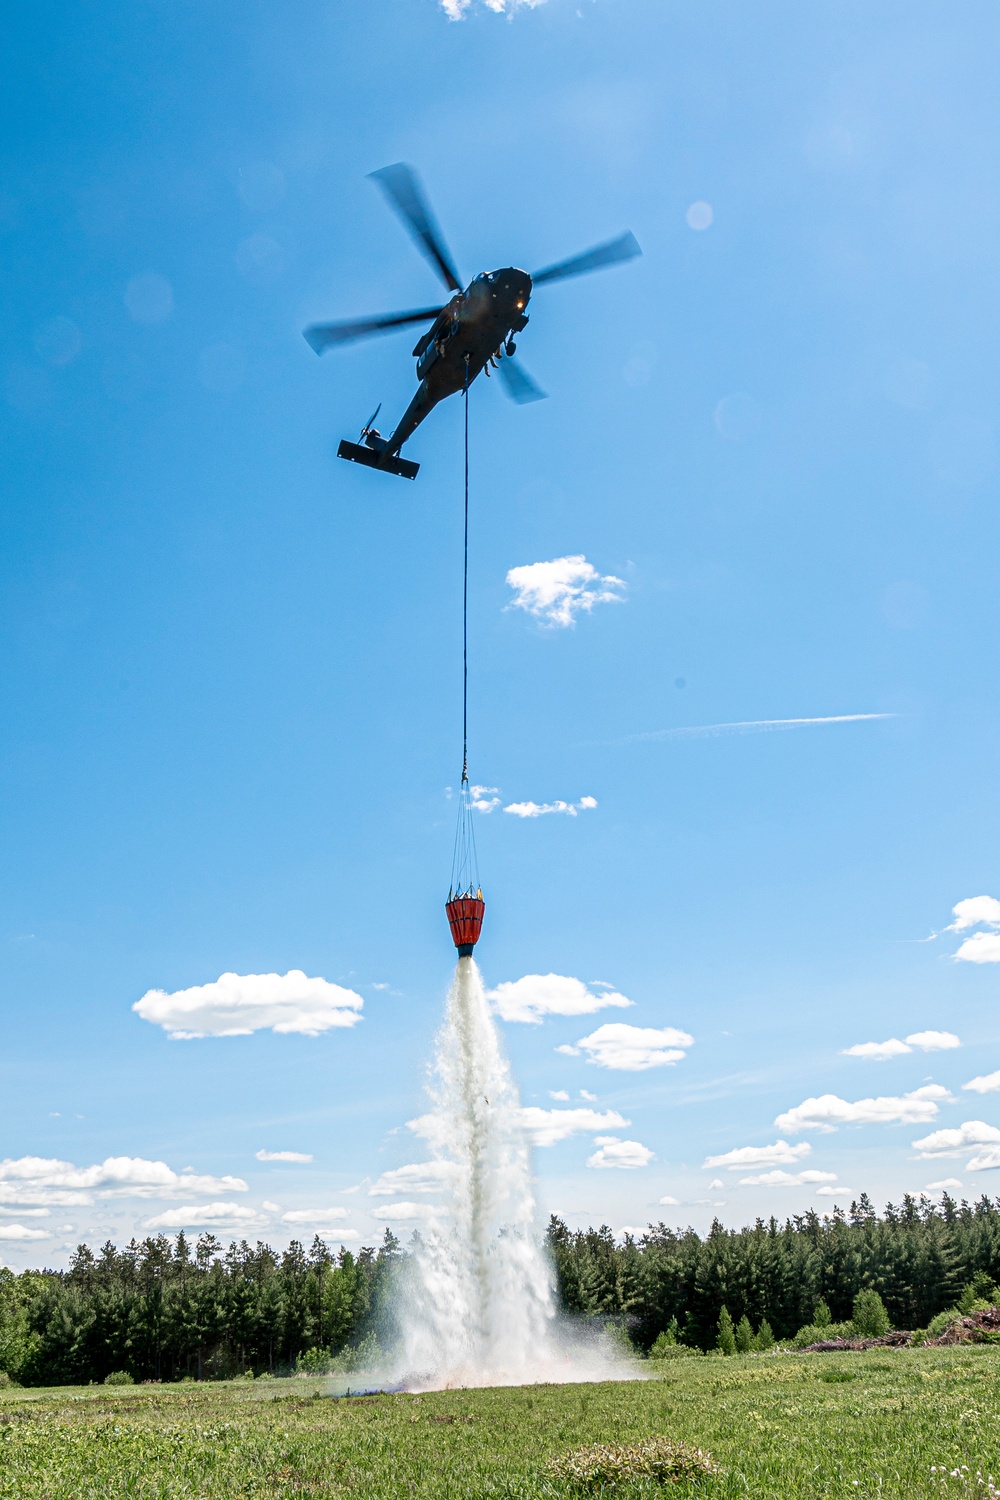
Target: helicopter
(472, 332)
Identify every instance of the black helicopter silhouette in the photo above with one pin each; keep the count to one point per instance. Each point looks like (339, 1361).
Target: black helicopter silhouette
(472, 332)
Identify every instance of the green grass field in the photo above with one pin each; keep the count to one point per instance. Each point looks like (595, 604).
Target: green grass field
(782, 1426)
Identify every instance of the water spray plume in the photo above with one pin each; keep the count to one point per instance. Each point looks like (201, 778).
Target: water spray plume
(478, 1302)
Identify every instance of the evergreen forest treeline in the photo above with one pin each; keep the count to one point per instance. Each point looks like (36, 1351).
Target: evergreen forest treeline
(166, 1310)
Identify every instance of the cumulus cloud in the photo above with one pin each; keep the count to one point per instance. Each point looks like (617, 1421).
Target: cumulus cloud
(632, 1049)
(557, 591)
(943, 1185)
(484, 798)
(957, 1140)
(559, 1094)
(988, 1083)
(542, 809)
(975, 911)
(548, 1126)
(208, 1216)
(980, 947)
(45, 1180)
(537, 995)
(614, 1152)
(669, 1202)
(415, 1177)
(282, 1156)
(933, 1041)
(984, 1160)
(829, 1111)
(781, 1153)
(318, 1216)
(238, 1004)
(779, 1178)
(878, 1051)
(837, 1192)
(22, 1232)
(927, 1041)
(404, 1213)
(456, 9)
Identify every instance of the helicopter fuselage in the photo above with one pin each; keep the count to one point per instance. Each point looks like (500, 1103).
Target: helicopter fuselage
(465, 338)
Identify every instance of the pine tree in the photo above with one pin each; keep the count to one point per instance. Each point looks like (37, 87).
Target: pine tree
(744, 1336)
(726, 1337)
(765, 1338)
(869, 1316)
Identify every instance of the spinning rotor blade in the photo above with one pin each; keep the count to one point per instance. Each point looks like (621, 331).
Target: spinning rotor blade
(402, 187)
(519, 385)
(625, 247)
(321, 336)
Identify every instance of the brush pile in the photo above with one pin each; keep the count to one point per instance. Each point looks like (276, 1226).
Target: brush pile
(982, 1327)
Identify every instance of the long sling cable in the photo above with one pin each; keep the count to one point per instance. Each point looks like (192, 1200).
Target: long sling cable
(465, 598)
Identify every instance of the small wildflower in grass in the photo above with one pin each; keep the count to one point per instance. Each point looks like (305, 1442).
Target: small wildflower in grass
(658, 1458)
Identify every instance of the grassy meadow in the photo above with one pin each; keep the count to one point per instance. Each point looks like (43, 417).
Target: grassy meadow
(781, 1426)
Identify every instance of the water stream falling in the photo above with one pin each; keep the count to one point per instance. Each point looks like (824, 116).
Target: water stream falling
(478, 1303)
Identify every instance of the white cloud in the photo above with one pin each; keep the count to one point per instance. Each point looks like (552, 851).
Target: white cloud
(548, 1126)
(983, 1161)
(837, 1192)
(208, 1216)
(669, 1202)
(318, 1216)
(981, 948)
(614, 1152)
(716, 1184)
(975, 911)
(988, 1083)
(282, 1156)
(934, 1041)
(558, 591)
(415, 1177)
(559, 1094)
(22, 1232)
(484, 798)
(978, 911)
(45, 1180)
(633, 1049)
(455, 9)
(780, 1154)
(779, 1178)
(536, 995)
(26, 1213)
(943, 1185)
(585, 1094)
(541, 809)
(238, 1004)
(927, 1041)
(878, 1051)
(402, 1212)
(829, 1111)
(956, 1141)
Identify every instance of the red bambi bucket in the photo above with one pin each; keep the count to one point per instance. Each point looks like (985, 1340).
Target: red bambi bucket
(465, 917)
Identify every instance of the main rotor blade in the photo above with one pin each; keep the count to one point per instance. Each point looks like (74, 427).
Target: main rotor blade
(625, 247)
(402, 187)
(519, 384)
(321, 336)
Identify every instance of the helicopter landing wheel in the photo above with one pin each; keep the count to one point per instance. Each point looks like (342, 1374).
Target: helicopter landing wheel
(510, 346)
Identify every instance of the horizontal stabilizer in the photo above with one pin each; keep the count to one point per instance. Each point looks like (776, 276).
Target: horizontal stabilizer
(372, 460)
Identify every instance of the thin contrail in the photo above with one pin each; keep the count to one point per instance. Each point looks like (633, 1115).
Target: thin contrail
(748, 726)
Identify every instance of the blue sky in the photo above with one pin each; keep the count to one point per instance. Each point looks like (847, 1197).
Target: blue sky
(230, 665)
